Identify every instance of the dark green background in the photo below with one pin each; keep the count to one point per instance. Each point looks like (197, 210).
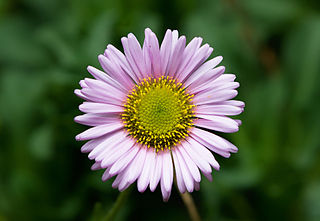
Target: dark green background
(272, 45)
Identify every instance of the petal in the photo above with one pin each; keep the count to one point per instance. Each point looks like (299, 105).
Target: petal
(118, 57)
(106, 175)
(203, 69)
(144, 178)
(204, 153)
(187, 55)
(207, 79)
(155, 176)
(134, 55)
(117, 181)
(165, 194)
(202, 54)
(233, 103)
(152, 51)
(91, 144)
(217, 123)
(120, 149)
(167, 171)
(165, 51)
(115, 71)
(213, 141)
(79, 94)
(100, 96)
(100, 75)
(193, 169)
(196, 186)
(96, 166)
(83, 84)
(179, 177)
(137, 54)
(187, 177)
(214, 88)
(98, 131)
(124, 161)
(217, 109)
(137, 165)
(203, 165)
(107, 143)
(95, 120)
(99, 108)
(215, 97)
(100, 85)
(175, 57)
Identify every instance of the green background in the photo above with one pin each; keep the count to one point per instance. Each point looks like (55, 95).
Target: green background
(272, 45)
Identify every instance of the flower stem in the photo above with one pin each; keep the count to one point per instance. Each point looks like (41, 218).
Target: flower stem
(122, 197)
(189, 203)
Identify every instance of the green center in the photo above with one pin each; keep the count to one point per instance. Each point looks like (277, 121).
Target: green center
(158, 113)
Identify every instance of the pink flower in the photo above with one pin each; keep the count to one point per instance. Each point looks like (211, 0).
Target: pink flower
(152, 112)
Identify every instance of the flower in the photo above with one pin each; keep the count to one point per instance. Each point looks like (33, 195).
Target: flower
(153, 110)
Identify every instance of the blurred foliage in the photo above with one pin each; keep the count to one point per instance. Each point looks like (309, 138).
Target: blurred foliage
(272, 45)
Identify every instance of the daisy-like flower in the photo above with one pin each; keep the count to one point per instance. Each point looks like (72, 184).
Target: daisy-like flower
(153, 111)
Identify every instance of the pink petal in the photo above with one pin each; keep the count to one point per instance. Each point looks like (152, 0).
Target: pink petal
(107, 143)
(187, 55)
(165, 51)
(212, 89)
(217, 109)
(193, 169)
(167, 171)
(99, 96)
(132, 56)
(202, 54)
(100, 75)
(99, 108)
(213, 141)
(83, 84)
(124, 161)
(201, 163)
(118, 57)
(203, 69)
(204, 153)
(117, 181)
(175, 57)
(137, 54)
(206, 80)
(217, 123)
(94, 120)
(115, 71)
(153, 52)
(179, 177)
(98, 131)
(137, 165)
(91, 144)
(120, 149)
(106, 175)
(155, 176)
(96, 166)
(196, 186)
(187, 177)
(100, 85)
(79, 94)
(215, 97)
(233, 103)
(165, 194)
(144, 178)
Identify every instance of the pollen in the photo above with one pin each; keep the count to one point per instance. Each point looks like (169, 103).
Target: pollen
(158, 113)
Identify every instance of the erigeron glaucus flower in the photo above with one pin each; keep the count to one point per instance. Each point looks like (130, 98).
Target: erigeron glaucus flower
(154, 110)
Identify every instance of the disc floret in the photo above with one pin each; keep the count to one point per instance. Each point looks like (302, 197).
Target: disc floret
(158, 113)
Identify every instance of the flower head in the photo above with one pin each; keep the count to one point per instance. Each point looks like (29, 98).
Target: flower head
(153, 112)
